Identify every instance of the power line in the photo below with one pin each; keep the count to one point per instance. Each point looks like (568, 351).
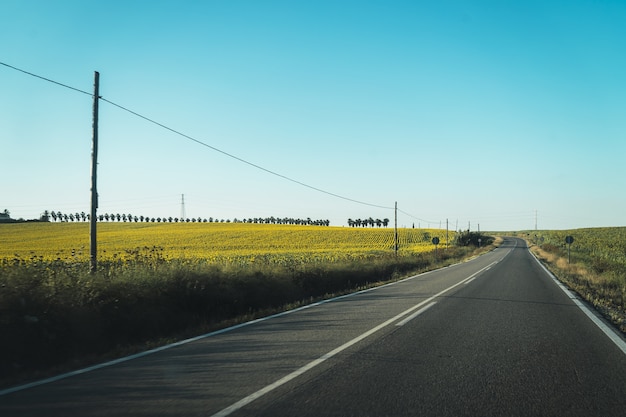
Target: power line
(46, 79)
(417, 218)
(240, 159)
(201, 142)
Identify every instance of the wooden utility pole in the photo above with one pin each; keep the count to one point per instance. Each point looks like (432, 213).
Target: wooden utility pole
(94, 166)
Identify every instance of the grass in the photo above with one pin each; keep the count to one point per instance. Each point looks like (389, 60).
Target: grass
(55, 314)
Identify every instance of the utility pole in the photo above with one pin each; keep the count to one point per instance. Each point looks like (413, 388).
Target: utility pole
(94, 167)
(183, 214)
(395, 237)
(447, 238)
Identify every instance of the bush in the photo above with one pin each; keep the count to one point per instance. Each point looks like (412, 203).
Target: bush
(468, 238)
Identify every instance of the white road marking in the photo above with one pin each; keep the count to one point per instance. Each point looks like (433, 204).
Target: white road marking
(617, 340)
(417, 313)
(475, 275)
(258, 394)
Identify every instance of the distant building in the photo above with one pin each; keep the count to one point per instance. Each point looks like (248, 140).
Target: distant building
(5, 217)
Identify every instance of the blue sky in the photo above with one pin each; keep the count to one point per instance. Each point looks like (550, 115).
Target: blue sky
(479, 112)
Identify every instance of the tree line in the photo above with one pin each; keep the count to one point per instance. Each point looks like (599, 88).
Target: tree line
(57, 216)
(368, 222)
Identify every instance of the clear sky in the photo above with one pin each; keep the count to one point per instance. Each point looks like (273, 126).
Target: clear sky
(481, 112)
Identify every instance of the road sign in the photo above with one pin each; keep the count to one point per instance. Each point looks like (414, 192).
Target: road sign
(569, 240)
(435, 241)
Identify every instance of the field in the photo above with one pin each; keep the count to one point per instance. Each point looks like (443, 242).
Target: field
(209, 242)
(156, 283)
(595, 266)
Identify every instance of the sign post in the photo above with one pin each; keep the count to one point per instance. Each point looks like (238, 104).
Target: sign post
(435, 242)
(569, 240)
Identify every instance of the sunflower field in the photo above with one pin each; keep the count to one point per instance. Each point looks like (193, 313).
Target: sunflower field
(218, 243)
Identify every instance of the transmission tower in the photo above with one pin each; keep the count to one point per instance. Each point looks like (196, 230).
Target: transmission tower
(182, 208)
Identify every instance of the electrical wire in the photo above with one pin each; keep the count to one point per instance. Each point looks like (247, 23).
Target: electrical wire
(417, 218)
(269, 171)
(46, 79)
(238, 158)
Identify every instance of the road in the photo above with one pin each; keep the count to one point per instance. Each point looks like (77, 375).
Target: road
(495, 336)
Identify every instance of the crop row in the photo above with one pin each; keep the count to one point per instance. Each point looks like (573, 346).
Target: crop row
(209, 242)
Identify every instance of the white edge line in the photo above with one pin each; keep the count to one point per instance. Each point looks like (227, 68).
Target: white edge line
(265, 390)
(193, 339)
(615, 338)
(417, 313)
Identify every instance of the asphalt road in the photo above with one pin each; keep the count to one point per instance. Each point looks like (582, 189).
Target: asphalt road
(495, 336)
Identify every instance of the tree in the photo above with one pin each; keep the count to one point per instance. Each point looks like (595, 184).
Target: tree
(472, 238)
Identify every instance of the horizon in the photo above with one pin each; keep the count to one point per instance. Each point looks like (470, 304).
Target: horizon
(77, 218)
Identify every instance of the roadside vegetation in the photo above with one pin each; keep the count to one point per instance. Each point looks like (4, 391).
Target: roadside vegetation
(594, 265)
(56, 315)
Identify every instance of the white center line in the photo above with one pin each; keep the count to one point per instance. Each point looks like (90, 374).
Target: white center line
(475, 275)
(269, 388)
(417, 313)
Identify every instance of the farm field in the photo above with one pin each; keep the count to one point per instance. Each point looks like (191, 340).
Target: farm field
(212, 242)
(599, 246)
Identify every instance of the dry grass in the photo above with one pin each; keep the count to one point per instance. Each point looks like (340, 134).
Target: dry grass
(606, 291)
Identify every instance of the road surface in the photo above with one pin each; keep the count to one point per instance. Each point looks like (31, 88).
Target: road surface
(495, 336)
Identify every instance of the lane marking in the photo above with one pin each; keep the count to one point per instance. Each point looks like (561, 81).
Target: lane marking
(475, 274)
(417, 313)
(612, 335)
(269, 388)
